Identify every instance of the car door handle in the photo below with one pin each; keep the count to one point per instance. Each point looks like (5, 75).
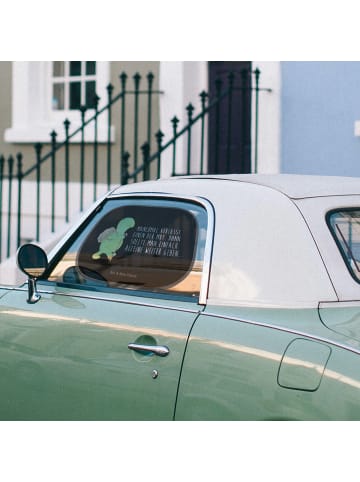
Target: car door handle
(158, 350)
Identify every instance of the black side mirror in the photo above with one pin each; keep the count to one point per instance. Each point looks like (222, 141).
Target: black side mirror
(32, 261)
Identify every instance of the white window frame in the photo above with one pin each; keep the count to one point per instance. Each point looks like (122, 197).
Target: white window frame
(33, 118)
(66, 80)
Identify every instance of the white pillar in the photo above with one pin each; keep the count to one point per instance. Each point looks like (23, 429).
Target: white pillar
(181, 83)
(269, 120)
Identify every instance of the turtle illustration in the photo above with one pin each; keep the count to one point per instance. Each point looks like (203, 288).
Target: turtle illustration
(112, 239)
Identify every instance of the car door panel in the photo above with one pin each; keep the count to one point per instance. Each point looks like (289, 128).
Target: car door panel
(228, 373)
(251, 370)
(106, 339)
(67, 357)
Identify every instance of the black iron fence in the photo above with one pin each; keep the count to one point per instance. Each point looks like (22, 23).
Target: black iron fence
(224, 94)
(60, 164)
(141, 161)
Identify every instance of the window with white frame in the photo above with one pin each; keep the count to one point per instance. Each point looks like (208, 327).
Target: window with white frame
(73, 85)
(47, 93)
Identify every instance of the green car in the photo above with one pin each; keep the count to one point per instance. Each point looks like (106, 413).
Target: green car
(197, 298)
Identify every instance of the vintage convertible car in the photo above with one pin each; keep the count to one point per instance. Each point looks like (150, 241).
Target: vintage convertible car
(197, 298)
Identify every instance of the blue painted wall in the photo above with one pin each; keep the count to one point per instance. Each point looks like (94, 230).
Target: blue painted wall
(319, 106)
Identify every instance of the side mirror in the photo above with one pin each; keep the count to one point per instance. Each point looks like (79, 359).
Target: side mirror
(32, 261)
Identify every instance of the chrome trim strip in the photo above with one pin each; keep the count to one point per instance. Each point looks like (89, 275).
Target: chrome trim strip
(285, 330)
(205, 276)
(195, 311)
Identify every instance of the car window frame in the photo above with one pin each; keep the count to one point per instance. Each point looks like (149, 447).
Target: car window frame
(336, 239)
(60, 249)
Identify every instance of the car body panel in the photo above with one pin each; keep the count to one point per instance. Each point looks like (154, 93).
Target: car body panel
(252, 370)
(272, 335)
(67, 357)
(343, 317)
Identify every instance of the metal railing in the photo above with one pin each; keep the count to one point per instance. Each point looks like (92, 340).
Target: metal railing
(75, 150)
(146, 158)
(224, 93)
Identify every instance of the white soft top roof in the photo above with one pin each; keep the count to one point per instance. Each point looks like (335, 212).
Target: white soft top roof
(295, 186)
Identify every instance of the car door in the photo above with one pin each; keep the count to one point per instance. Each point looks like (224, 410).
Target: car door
(107, 338)
(251, 364)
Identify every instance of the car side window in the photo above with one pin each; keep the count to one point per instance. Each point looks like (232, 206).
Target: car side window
(154, 245)
(345, 227)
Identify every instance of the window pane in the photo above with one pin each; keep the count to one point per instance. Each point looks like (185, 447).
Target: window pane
(90, 68)
(90, 94)
(75, 68)
(58, 69)
(75, 95)
(139, 245)
(58, 97)
(142, 246)
(345, 227)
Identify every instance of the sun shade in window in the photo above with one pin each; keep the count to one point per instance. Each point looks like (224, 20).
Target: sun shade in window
(141, 246)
